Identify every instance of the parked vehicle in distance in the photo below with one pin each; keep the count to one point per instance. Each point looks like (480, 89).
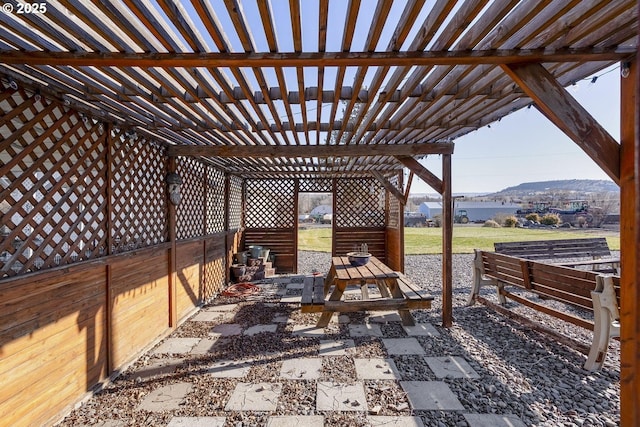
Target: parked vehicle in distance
(415, 219)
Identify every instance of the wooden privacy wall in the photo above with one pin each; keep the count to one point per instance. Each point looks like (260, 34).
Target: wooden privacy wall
(271, 219)
(84, 251)
(395, 228)
(359, 216)
(53, 185)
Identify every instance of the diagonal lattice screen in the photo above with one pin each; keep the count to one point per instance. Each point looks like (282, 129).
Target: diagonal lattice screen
(189, 221)
(52, 185)
(394, 204)
(235, 202)
(138, 194)
(215, 188)
(360, 202)
(270, 203)
(315, 185)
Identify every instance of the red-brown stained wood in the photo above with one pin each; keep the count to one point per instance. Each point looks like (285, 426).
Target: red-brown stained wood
(629, 244)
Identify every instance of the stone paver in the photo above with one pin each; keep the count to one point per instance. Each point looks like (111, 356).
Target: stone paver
(212, 316)
(227, 329)
(295, 286)
(254, 397)
(366, 330)
(106, 423)
(296, 420)
(376, 369)
(157, 368)
(340, 397)
(176, 346)
(398, 421)
(335, 347)
(301, 369)
(221, 307)
(307, 331)
(403, 346)
(229, 368)
(422, 330)
(291, 299)
(282, 318)
(259, 329)
(430, 396)
(206, 345)
(493, 420)
(197, 422)
(451, 367)
(166, 398)
(384, 316)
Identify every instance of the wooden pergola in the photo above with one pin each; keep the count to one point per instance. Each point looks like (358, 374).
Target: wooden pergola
(252, 103)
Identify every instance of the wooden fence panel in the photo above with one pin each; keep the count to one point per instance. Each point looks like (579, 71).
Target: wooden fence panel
(53, 343)
(189, 266)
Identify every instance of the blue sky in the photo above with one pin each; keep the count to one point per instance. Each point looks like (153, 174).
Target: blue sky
(525, 146)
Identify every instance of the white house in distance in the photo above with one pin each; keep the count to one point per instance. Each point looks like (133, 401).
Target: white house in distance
(476, 211)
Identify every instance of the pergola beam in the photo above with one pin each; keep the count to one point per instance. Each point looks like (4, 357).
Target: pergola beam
(423, 173)
(389, 187)
(293, 151)
(313, 59)
(568, 115)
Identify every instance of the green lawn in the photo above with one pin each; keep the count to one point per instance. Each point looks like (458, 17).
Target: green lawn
(465, 238)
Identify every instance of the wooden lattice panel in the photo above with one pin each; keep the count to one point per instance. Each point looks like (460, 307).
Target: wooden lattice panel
(315, 185)
(189, 221)
(235, 203)
(270, 203)
(139, 205)
(52, 185)
(360, 202)
(394, 205)
(215, 188)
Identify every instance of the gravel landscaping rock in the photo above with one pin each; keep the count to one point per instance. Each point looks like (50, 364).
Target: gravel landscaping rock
(521, 373)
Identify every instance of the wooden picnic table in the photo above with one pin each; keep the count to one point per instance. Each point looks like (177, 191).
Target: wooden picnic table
(396, 292)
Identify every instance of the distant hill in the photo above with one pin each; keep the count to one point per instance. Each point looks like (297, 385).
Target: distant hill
(577, 185)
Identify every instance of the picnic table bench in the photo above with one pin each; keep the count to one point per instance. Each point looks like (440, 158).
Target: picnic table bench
(596, 292)
(397, 292)
(592, 252)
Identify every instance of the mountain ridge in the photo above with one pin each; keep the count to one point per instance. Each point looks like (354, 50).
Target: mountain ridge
(576, 185)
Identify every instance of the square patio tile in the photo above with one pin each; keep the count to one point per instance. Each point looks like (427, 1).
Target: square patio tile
(376, 369)
(165, 398)
(335, 347)
(291, 299)
(176, 346)
(365, 330)
(206, 345)
(422, 330)
(295, 286)
(403, 346)
(384, 317)
(307, 331)
(395, 421)
(158, 367)
(305, 368)
(431, 396)
(227, 329)
(451, 367)
(340, 397)
(197, 422)
(229, 368)
(296, 420)
(221, 307)
(254, 397)
(258, 329)
(212, 316)
(493, 420)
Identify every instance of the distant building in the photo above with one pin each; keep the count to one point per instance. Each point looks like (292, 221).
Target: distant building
(321, 210)
(476, 211)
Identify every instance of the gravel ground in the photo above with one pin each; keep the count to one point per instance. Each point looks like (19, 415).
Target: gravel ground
(522, 372)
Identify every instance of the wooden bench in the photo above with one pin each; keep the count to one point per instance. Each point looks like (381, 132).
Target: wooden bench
(593, 252)
(313, 294)
(588, 290)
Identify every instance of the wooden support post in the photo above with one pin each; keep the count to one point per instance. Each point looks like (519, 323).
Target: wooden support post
(173, 277)
(109, 239)
(447, 243)
(629, 243)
